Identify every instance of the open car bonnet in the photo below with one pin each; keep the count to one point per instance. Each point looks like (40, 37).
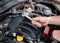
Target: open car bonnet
(6, 4)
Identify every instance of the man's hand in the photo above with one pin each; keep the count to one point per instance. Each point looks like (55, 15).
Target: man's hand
(56, 35)
(39, 21)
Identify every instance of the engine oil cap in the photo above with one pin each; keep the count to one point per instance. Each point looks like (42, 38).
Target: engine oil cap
(19, 38)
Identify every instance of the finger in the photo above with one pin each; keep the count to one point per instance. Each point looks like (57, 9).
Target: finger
(33, 22)
(38, 24)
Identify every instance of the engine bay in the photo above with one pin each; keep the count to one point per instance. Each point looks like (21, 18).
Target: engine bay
(16, 28)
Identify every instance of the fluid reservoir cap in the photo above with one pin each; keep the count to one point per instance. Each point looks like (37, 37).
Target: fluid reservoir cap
(19, 38)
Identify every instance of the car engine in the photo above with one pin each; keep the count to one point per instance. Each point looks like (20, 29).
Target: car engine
(15, 27)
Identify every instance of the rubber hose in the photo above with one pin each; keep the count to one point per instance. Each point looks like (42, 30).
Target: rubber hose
(28, 30)
(35, 29)
(27, 36)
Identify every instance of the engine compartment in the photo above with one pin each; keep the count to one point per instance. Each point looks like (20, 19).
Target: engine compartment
(14, 28)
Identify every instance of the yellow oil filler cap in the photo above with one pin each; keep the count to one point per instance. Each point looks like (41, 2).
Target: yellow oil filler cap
(19, 38)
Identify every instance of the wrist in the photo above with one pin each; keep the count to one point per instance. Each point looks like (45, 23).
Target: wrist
(48, 20)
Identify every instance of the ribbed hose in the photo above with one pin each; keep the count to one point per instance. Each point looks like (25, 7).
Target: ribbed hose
(28, 30)
(27, 36)
(32, 27)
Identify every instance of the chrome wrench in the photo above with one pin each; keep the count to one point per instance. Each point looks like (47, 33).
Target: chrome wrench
(25, 14)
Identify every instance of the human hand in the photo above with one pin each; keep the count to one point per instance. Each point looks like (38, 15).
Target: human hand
(56, 35)
(39, 21)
